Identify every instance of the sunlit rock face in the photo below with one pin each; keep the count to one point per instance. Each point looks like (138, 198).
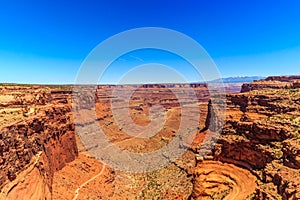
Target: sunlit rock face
(256, 155)
(261, 134)
(37, 139)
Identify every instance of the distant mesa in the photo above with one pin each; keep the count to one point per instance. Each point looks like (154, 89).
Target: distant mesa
(238, 79)
(273, 82)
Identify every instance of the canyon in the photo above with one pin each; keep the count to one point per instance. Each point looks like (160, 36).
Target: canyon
(253, 154)
(37, 139)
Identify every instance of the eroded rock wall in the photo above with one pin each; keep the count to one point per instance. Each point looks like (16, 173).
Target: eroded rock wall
(262, 134)
(273, 82)
(36, 139)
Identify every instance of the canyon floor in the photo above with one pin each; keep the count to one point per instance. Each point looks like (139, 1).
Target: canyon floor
(254, 153)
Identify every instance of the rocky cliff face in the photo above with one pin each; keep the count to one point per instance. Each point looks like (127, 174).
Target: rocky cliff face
(262, 134)
(282, 78)
(36, 139)
(257, 155)
(273, 82)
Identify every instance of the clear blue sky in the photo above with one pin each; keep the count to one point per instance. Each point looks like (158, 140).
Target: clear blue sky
(46, 41)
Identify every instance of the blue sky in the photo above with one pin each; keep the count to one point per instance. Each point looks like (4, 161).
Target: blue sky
(46, 41)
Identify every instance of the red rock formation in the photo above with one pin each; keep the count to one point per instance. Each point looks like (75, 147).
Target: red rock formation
(260, 137)
(42, 125)
(272, 82)
(282, 78)
(261, 134)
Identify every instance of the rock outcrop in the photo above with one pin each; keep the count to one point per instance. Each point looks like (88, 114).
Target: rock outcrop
(261, 134)
(37, 139)
(273, 82)
(256, 156)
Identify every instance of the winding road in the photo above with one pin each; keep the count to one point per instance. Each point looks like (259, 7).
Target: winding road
(86, 182)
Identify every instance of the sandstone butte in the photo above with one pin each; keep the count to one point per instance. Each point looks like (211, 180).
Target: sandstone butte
(256, 156)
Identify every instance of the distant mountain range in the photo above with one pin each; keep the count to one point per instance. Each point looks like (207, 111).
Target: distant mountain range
(239, 79)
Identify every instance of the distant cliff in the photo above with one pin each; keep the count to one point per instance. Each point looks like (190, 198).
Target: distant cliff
(273, 82)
